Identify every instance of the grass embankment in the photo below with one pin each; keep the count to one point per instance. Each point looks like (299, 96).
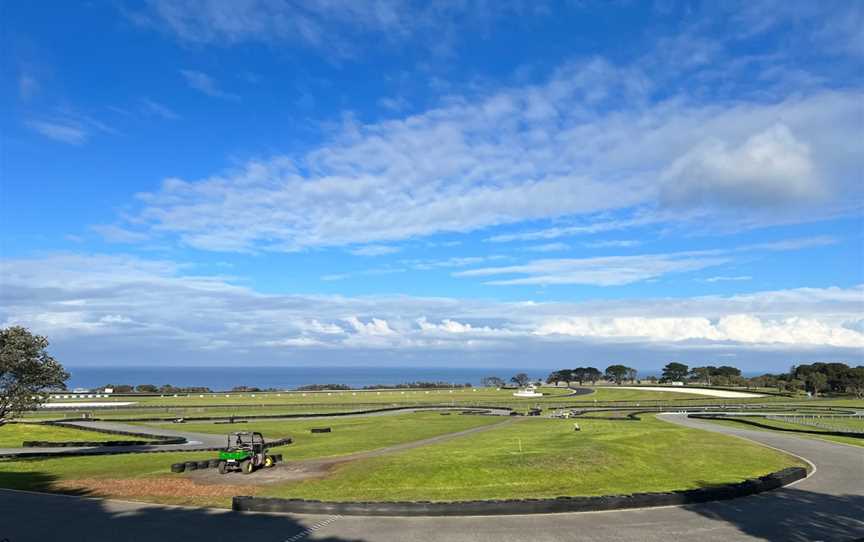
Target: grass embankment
(537, 458)
(146, 477)
(13, 434)
(840, 426)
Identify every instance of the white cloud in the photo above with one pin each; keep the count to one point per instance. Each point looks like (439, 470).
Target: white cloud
(549, 247)
(135, 305)
(374, 250)
(619, 243)
(153, 108)
(484, 161)
(604, 271)
(729, 279)
(71, 133)
(771, 167)
(204, 83)
(116, 234)
(620, 270)
(737, 328)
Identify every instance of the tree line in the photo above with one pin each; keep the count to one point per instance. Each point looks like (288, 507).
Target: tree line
(815, 378)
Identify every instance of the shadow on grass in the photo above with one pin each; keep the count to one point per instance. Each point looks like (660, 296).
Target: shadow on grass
(792, 515)
(41, 517)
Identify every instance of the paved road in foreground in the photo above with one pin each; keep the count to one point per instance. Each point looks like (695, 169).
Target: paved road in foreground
(828, 506)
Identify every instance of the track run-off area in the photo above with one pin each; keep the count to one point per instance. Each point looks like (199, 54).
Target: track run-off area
(827, 506)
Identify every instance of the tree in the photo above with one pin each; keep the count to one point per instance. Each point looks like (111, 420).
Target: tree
(674, 372)
(616, 373)
(146, 388)
(491, 382)
(579, 374)
(593, 374)
(816, 383)
(520, 379)
(855, 382)
(702, 374)
(564, 375)
(631, 374)
(27, 371)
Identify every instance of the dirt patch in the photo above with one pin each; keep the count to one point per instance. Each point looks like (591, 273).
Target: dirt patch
(148, 487)
(285, 472)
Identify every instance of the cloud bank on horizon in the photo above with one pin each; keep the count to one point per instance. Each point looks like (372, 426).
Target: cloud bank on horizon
(393, 182)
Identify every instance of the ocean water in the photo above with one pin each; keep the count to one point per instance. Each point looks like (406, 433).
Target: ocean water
(225, 378)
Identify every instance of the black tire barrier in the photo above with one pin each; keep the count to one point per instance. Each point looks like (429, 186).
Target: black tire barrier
(178, 467)
(521, 506)
(213, 463)
(320, 430)
(191, 465)
(95, 443)
(239, 419)
(204, 465)
(277, 458)
(156, 439)
(775, 428)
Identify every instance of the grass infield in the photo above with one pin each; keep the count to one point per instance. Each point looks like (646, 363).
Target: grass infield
(13, 434)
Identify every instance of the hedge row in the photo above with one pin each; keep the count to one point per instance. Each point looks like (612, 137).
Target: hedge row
(521, 506)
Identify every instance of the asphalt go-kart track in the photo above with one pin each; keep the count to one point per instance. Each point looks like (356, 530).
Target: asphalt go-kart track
(826, 505)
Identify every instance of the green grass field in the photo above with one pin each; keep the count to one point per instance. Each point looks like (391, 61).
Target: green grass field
(546, 458)
(349, 435)
(526, 458)
(13, 434)
(236, 404)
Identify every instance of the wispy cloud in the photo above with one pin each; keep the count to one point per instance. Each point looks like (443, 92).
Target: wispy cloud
(621, 270)
(374, 250)
(202, 82)
(64, 132)
(28, 86)
(549, 247)
(68, 126)
(729, 279)
(607, 271)
(620, 243)
(152, 108)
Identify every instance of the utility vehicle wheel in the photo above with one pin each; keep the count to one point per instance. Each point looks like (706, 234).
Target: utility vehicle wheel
(223, 467)
(246, 467)
(268, 461)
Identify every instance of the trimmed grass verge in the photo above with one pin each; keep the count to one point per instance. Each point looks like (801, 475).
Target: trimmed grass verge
(544, 458)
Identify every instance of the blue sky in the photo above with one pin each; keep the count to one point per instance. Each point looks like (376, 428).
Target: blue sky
(435, 183)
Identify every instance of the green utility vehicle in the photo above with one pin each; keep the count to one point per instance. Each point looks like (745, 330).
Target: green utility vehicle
(246, 452)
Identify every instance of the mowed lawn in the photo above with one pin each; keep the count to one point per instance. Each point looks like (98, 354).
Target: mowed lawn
(349, 435)
(13, 434)
(146, 476)
(536, 458)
